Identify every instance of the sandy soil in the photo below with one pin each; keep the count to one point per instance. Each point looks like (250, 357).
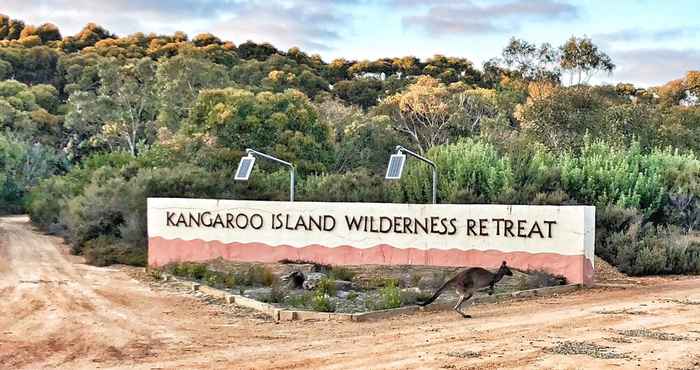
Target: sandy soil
(56, 312)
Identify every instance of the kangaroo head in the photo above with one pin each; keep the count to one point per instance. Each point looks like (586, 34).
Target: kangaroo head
(504, 270)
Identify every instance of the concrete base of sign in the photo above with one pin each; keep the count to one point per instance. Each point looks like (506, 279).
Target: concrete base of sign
(576, 269)
(281, 314)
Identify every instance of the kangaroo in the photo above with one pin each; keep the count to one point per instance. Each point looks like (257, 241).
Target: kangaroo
(469, 281)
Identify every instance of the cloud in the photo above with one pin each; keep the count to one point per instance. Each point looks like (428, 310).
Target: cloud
(471, 18)
(310, 24)
(629, 34)
(652, 67)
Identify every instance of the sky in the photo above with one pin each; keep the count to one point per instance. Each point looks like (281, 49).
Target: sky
(651, 42)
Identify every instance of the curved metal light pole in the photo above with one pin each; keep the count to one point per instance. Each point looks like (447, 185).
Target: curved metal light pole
(394, 172)
(253, 153)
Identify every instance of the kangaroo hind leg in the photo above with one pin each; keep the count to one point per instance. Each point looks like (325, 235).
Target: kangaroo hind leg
(458, 307)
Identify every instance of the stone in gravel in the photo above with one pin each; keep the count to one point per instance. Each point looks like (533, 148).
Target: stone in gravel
(312, 280)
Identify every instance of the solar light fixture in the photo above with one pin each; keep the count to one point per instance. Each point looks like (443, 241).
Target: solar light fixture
(397, 161)
(395, 168)
(245, 167)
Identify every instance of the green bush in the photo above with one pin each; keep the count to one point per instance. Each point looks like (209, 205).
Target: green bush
(322, 303)
(390, 295)
(326, 286)
(629, 178)
(469, 172)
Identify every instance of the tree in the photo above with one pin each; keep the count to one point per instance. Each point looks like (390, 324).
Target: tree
(123, 109)
(582, 60)
(23, 165)
(362, 91)
(429, 112)
(359, 140)
(282, 124)
(407, 66)
(178, 82)
(10, 29)
(532, 63)
(35, 65)
(30, 113)
(251, 50)
(337, 69)
(88, 36)
(204, 39)
(561, 118)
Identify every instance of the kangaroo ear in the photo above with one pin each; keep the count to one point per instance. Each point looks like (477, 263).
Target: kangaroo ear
(504, 263)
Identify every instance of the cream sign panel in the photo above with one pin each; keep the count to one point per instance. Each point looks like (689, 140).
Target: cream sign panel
(558, 239)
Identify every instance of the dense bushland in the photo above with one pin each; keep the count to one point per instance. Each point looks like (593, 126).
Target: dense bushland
(93, 124)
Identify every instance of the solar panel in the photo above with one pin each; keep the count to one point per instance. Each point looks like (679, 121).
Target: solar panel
(396, 162)
(244, 168)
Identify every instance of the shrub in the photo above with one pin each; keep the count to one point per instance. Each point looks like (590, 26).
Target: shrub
(230, 281)
(470, 171)
(156, 274)
(612, 224)
(322, 302)
(390, 295)
(657, 250)
(357, 186)
(300, 301)
(411, 297)
(276, 295)
(341, 273)
(258, 275)
(213, 278)
(534, 279)
(105, 251)
(326, 286)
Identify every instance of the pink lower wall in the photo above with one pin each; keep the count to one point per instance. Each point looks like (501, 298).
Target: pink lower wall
(576, 269)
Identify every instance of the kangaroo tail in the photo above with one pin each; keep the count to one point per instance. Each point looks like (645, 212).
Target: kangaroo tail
(437, 293)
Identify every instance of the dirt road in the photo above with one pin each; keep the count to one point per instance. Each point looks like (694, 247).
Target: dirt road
(57, 312)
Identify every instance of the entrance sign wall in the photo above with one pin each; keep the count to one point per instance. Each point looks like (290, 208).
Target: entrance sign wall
(557, 239)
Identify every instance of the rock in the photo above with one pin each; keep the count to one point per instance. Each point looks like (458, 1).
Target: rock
(258, 293)
(414, 290)
(343, 285)
(312, 280)
(342, 294)
(294, 280)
